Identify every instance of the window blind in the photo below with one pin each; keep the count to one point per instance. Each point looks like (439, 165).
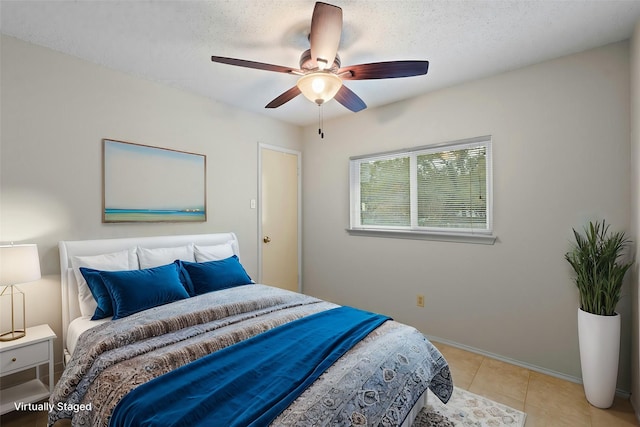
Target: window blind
(440, 188)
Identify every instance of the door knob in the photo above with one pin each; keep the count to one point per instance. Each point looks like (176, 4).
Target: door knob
(266, 239)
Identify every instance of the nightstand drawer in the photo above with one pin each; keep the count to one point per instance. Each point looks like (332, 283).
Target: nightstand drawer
(21, 357)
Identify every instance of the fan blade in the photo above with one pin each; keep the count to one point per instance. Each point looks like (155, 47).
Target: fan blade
(284, 98)
(349, 99)
(326, 30)
(384, 70)
(256, 65)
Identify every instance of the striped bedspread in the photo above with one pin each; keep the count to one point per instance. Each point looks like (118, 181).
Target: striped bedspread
(375, 383)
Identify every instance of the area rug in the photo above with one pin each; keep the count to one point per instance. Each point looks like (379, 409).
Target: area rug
(467, 409)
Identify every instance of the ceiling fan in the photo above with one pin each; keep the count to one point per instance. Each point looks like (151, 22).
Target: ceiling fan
(321, 73)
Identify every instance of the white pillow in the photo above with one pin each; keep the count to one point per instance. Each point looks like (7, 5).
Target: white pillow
(116, 261)
(214, 253)
(162, 256)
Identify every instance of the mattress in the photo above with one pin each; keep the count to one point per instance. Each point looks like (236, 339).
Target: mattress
(77, 327)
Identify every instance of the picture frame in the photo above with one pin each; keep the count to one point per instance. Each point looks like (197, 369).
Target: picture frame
(142, 183)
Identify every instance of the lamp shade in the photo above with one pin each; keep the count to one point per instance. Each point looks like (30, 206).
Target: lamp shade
(19, 264)
(319, 87)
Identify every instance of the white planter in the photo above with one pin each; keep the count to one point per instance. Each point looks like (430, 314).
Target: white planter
(599, 338)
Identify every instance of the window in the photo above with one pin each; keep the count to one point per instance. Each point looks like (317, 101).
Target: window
(441, 191)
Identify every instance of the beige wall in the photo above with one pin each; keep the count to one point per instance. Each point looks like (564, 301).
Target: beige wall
(561, 148)
(55, 111)
(635, 215)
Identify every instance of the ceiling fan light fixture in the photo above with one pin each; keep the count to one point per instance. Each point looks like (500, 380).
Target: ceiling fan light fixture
(320, 86)
(320, 65)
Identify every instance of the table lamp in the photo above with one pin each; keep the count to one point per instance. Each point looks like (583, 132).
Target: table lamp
(18, 264)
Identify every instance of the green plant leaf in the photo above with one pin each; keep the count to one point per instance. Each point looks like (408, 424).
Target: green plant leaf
(596, 259)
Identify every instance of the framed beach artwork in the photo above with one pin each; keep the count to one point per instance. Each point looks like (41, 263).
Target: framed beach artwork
(150, 184)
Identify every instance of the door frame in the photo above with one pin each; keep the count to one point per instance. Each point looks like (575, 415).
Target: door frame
(298, 155)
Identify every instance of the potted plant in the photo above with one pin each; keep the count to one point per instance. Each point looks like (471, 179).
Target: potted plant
(596, 260)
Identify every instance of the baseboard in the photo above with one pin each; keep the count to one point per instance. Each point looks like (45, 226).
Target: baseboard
(619, 392)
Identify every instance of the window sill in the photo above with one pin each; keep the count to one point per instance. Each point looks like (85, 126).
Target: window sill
(484, 239)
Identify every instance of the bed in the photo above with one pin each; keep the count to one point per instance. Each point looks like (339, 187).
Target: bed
(183, 336)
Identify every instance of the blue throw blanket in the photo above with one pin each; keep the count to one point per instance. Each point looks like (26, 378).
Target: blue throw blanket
(249, 383)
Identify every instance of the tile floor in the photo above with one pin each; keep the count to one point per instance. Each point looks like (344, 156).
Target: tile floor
(548, 401)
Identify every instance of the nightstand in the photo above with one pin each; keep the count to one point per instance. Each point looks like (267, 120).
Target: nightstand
(31, 351)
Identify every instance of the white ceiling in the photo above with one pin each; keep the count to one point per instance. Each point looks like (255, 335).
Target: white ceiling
(172, 41)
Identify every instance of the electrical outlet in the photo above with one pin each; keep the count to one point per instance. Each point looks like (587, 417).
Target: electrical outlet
(420, 300)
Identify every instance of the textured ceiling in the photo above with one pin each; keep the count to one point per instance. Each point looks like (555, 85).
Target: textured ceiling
(172, 41)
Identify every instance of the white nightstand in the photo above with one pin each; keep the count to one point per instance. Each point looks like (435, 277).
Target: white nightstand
(33, 350)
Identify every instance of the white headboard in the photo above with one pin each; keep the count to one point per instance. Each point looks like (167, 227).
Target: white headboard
(69, 249)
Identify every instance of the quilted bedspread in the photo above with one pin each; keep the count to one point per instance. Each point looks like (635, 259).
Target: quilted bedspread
(375, 383)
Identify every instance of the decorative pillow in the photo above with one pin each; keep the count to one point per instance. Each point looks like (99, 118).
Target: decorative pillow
(99, 292)
(213, 253)
(122, 260)
(215, 275)
(137, 290)
(150, 258)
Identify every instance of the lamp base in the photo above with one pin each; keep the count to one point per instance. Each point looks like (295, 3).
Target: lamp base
(13, 335)
(18, 325)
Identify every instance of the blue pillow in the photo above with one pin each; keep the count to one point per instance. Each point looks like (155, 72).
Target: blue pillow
(215, 275)
(99, 292)
(132, 291)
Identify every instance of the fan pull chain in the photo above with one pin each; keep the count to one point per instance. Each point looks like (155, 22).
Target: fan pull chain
(320, 121)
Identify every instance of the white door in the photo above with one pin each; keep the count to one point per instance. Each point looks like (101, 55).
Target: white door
(279, 230)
